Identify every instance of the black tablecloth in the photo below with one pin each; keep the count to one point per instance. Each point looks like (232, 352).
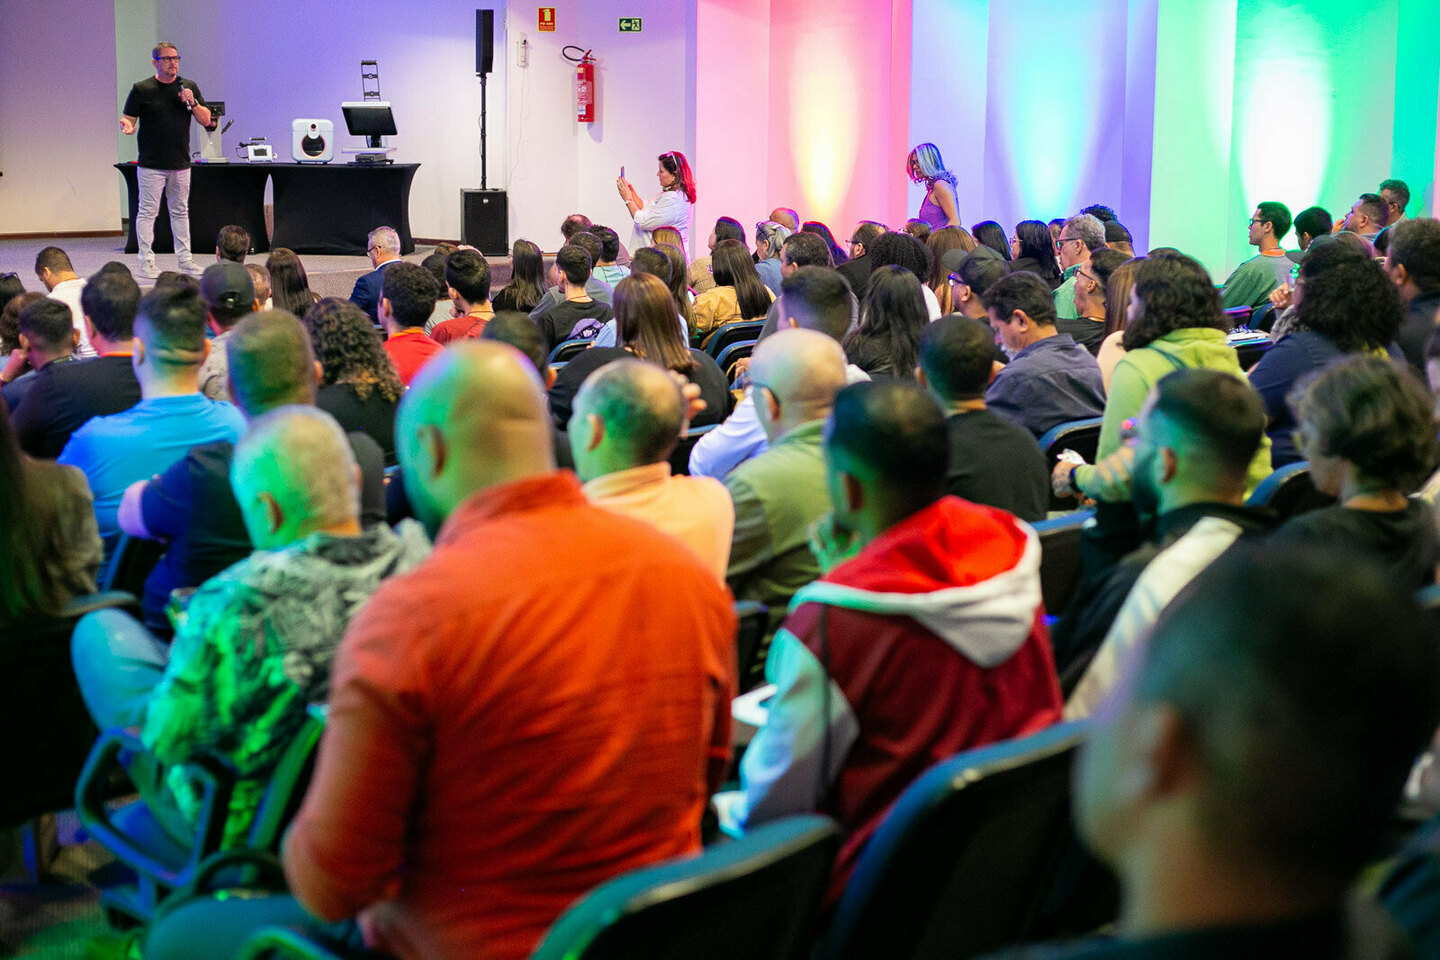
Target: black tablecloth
(331, 208)
(220, 194)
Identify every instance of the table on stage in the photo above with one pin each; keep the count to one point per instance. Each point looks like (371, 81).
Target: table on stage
(319, 208)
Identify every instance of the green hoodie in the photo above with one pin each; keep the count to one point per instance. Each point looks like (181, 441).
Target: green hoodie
(1139, 371)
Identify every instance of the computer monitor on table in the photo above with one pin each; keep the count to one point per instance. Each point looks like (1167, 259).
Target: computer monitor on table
(370, 119)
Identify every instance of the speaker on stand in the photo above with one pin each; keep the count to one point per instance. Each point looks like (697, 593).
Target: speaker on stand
(485, 213)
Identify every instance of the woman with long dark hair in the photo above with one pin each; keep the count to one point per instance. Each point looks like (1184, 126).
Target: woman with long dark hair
(992, 235)
(672, 208)
(887, 340)
(358, 385)
(289, 286)
(837, 254)
(50, 547)
(679, 290)
(939, 208)
(1034, 251)
(738, 294)
(527, 279)
(646, 327)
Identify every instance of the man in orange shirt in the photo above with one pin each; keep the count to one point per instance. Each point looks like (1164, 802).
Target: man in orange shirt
(407, 297)
(503, 735)
(467, 276)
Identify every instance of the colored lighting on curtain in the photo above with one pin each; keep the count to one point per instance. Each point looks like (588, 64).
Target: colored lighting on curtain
(824, 128)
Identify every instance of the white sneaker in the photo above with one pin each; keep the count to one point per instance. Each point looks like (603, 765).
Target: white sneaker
(148, 270)
(191, 268)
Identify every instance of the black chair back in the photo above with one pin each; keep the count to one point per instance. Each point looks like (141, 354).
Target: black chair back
(966, 859)
(1082, 436)
(1060, 558)
(751, 644)
(567, 350)
(756, 897)
(732, 355)
(1289, 491)
(1249, 352)
(732, 332)
(680, 456)
(131, 563)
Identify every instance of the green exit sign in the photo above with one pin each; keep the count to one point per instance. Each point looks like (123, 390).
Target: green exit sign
(629, 24)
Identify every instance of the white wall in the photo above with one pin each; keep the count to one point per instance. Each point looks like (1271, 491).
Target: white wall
(57, 119)
(272, 61)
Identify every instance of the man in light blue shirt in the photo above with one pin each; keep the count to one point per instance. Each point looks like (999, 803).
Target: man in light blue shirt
(172, 416)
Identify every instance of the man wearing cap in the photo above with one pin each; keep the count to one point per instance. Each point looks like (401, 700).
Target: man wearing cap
(971, 274)
(229, 294)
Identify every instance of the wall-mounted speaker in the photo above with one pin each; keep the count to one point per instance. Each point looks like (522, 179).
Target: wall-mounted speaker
(485, 221)
(484, 41)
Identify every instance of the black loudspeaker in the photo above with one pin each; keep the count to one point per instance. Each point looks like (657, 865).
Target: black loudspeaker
(484, 41)
(485, 221)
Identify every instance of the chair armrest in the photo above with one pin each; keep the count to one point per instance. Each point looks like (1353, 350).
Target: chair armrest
(217, 781)
(102, 600)
(287, 943)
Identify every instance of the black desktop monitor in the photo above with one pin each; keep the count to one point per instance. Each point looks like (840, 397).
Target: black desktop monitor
(371, 119)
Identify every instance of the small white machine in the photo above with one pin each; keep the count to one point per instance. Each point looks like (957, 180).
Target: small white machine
(312, 141)
(259, 152)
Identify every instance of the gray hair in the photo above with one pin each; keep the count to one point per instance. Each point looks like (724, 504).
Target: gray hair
(302, 458)
(1088, 229)
(386, 239)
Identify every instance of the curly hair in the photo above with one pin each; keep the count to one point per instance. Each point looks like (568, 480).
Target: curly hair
(1348, 298)
(1175, 293)
(350, 350)
(1369, 411)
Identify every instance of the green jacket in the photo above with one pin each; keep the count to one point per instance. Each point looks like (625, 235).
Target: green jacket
(778, 496)
(1139, 371)
(1065, 295)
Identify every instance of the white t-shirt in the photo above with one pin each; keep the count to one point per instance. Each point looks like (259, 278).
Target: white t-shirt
(670, 209)
(68, 292)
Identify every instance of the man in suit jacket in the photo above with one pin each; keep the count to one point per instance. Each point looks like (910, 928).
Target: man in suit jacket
(384, 249)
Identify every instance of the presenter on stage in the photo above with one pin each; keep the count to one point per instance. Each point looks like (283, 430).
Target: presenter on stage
(672, 208)
(161, 107)
(939, 208)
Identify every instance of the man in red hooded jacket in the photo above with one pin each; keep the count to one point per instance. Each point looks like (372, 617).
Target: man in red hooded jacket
(927, 641)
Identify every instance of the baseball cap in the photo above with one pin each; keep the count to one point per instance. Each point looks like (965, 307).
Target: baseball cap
(227, 285)
(955, 260)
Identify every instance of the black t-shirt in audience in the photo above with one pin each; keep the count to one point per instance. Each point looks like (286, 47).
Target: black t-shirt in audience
(556, 323)
(1088, 333)
(713, 388)
(194, 508)
(374, 416)
(1405, 541)
(65, 395)
(164, 132)
(997, 463)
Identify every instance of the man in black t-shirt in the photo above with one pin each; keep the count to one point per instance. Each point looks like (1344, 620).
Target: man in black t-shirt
(161, 107)
(572, 270)
(992, 461)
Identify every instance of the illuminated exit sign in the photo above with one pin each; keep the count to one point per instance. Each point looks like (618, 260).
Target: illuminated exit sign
(629, 24)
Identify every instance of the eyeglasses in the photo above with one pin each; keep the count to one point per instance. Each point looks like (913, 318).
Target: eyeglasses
(174, 59)
(1253, 221)
(1069, 240)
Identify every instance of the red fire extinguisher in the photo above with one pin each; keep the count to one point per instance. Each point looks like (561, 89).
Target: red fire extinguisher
(585, 89)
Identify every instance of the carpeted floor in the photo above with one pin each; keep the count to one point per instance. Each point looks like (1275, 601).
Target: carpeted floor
(59, 919)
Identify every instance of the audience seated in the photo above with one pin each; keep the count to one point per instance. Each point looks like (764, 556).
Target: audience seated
(886, 342)
(837, 255)
(191, 506)
(1079, 238)
(467, 279)
(738, 292)
(1117, 317)
(1252, 281)
(1366, 427)
(1196, 435)
(941, 242)
(115, 451)
(290, 285)
(383, 248)
(1032, 250)
(856, 270)
(260, 279)
(970, 275)
(903, 250)
(1251, 765)
(46, 337)
(527, 279)
(1050, 378)
(573, 304)
(926, 600)
(499, 745)
(780, 492)
(1344, 304)
(1118, 238)
(1367, 217)
(1412, 262)
(786, 217)
(813, 298)
(255, 642)
(232, 243)
(607, 271)
(990, 234)
(769, 238)
(1311, 223)
(628, 417)
(406, 298)
(66, 396)
(684, 297)
(799, 250)
(1175, 323)
(1092, 279)
(992, 461)
(53, 269)
(358, 383)
(50, 550)
(228, 294)
(654, 262)
(516, 329)
(444, 308)
(700, 274)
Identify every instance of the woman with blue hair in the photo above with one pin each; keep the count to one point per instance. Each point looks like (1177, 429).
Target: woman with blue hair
(939, 208)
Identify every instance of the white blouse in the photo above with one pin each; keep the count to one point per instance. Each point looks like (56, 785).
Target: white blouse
(670, 209)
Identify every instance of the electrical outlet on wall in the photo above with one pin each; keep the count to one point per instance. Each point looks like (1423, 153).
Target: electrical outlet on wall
(522, 52)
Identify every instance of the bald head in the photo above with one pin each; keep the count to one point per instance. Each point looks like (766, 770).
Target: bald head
(294, 474)
(627, 414)
(473, 418)
(800, 371)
